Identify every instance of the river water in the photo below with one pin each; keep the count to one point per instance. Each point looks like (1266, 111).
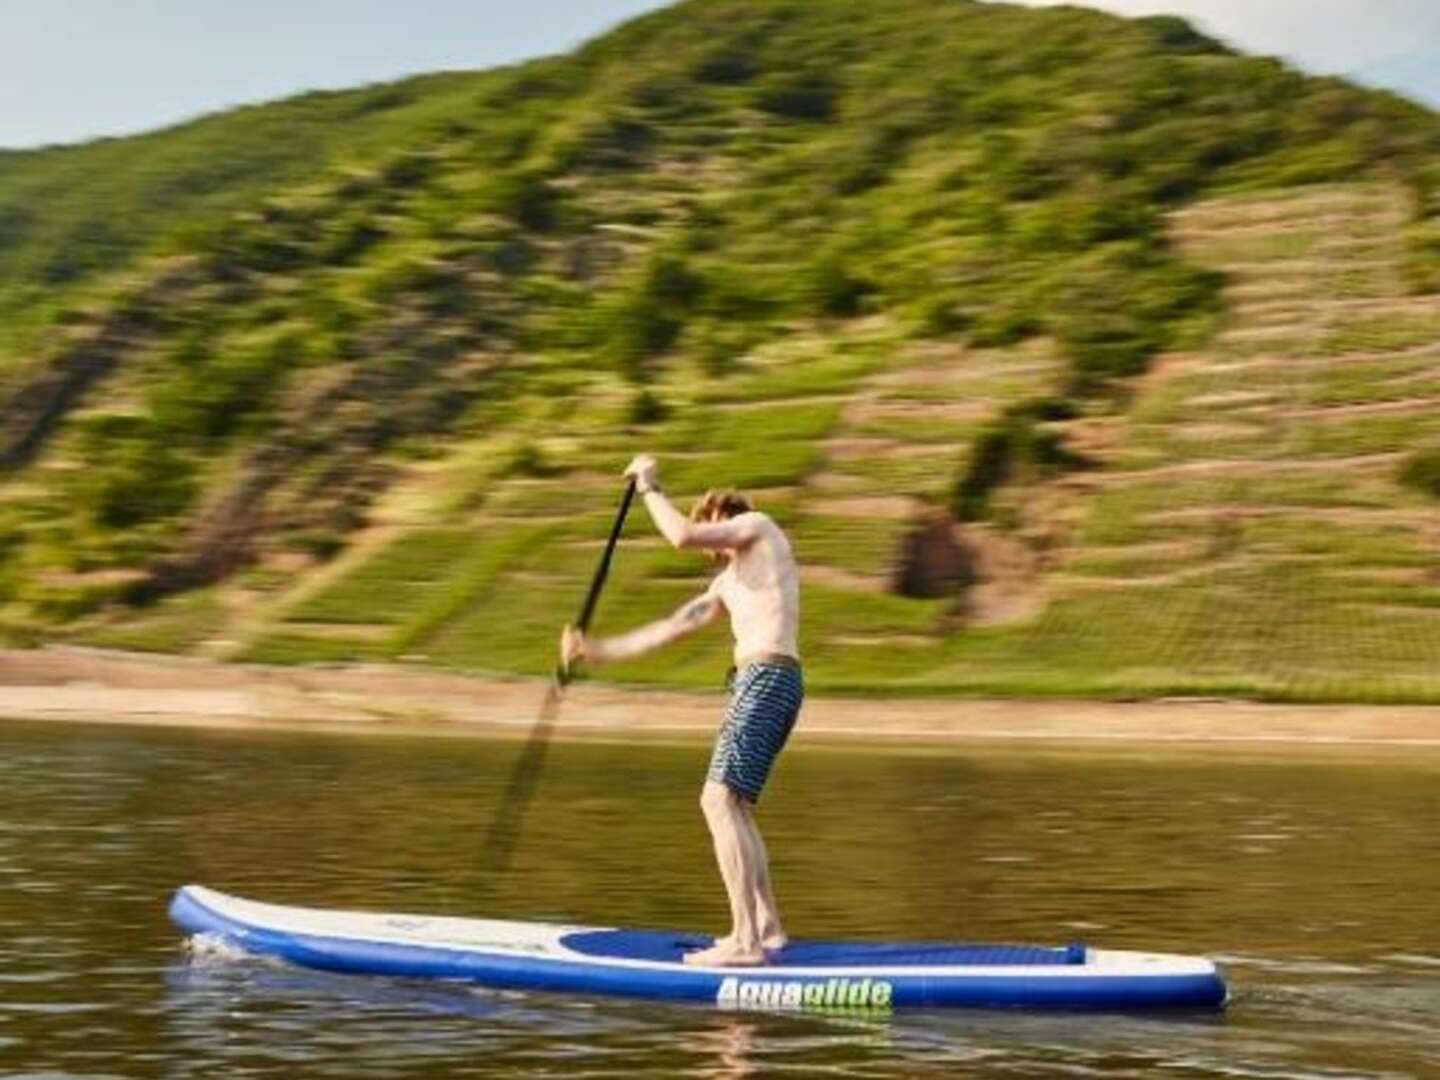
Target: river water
(1313, 877)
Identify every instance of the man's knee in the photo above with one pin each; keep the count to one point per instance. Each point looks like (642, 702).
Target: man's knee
(717, 801)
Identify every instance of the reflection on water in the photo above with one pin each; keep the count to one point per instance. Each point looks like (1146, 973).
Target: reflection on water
(1312, 880)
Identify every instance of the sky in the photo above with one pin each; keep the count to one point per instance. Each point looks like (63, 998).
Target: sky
(1394, 44)
(1328, 36)
(74, 69)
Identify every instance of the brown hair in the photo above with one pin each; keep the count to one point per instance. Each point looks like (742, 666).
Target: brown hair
(720, 504)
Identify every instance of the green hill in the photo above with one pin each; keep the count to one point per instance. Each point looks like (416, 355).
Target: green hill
(351, 376)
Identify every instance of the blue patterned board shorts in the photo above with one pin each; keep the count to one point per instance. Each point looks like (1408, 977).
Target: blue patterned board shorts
(764, 702)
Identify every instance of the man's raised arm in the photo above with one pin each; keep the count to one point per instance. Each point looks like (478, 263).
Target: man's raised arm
(738, 532)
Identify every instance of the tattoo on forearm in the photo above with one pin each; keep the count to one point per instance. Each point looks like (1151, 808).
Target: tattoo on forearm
(697, 611)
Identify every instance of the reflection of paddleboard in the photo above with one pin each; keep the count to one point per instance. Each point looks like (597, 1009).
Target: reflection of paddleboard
(642, 963)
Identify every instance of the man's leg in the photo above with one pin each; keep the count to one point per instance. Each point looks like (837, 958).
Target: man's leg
(763, 706)
(768, 926)
(725, 815)
(767, 911)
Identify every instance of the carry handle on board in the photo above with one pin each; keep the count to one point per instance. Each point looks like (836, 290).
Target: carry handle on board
(505, 828)
(587, 612)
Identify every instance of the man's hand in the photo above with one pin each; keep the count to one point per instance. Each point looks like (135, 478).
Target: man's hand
(573, 646)
(645, 471)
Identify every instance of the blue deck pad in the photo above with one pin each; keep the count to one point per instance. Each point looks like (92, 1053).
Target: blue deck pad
(671, 948)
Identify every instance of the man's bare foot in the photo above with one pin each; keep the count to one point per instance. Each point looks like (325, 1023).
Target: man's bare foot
(771, 943)
(726, 953)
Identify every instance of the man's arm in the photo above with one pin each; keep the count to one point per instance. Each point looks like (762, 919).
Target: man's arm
(738, 532)
(691, 616)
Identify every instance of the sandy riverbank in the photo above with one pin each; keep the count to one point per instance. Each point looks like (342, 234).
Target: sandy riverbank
(99, 686)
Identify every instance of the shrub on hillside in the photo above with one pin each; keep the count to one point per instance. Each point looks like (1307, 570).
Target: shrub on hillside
(1114, 307)
(1002, 323)
(319, 543)
(940, 316)
(644, 320)
(130, 473)
(727, 64)
(669, 280)
(1424, 186)
(718, 345)
(211, 392)
(1177, 35)
(611, 141)
(1422, 237)
(1422, 269)
(646, 408)
(736, 294)
(866, 163)
(526, 199)
(346, 240)
(833, 289)
(1421, 470)
(1102, 347)
(530, 460)
(798, 95)
(510, 256)
(1018, 447)
(408, 170)
(637, 329)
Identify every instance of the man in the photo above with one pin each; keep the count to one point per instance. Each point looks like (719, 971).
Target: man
(760, 589)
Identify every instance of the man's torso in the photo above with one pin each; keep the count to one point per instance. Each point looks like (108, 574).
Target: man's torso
(761, 590)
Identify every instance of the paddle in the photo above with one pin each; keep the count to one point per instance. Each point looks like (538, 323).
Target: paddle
(587, 612)
(505, 829)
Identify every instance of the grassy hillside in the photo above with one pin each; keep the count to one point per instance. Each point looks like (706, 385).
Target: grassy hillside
(70, 214)
(901, 270)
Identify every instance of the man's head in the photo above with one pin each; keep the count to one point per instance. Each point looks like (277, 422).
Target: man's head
(720, 504)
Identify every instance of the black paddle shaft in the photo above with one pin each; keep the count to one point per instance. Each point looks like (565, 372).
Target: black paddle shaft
(505, 829)
(587, 611)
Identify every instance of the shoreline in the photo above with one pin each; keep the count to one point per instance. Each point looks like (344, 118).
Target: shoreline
(84, 685)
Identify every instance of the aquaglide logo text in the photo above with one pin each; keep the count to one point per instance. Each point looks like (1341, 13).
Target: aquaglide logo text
(842, 993)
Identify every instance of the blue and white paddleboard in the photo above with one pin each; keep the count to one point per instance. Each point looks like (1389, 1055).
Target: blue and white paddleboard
(641, 963)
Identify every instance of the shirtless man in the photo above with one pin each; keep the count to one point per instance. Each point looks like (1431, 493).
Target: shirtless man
(760, 589)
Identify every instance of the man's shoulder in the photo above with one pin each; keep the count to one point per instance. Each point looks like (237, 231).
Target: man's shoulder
(764, 532)
(756, 519)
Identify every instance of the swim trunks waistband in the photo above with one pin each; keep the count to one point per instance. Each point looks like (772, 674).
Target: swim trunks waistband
(771, 659)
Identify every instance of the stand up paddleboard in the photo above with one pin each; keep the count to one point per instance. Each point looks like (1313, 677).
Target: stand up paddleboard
(644, 963)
